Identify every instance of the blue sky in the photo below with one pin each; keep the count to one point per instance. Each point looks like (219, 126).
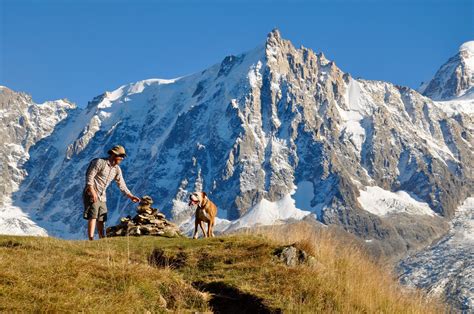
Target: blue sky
(79, 49)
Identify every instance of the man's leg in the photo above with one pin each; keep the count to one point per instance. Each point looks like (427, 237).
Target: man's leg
(91, 228)
(100, 228)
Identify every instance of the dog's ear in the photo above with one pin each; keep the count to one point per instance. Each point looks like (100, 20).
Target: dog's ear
(204, 194)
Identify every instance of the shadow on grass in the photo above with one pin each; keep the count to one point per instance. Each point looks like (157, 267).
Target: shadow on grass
(227, 299)
(158, 258)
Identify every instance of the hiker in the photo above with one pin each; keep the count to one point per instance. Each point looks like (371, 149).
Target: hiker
(100, 173)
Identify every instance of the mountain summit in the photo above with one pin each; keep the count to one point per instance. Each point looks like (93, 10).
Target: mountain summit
(455, 78)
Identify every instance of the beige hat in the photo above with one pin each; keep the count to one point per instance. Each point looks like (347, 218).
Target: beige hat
(118, 150)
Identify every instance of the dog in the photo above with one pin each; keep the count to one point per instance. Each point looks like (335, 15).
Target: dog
(206, 212)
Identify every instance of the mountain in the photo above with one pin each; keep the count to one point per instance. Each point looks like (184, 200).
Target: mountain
(445, 268)
(261, 130)
(455, 78)
(23, 123)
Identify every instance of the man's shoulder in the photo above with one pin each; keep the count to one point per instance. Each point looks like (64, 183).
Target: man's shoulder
(98, 162)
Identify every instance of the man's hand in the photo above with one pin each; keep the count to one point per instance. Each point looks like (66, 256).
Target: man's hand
(93, 195)
(134, 198)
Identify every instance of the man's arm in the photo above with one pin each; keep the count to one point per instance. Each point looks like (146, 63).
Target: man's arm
(90, 175)
(123, 187)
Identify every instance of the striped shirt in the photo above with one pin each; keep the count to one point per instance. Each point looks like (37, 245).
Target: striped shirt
(100, 174)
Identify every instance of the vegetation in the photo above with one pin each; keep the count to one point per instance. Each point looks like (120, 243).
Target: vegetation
(229, 273)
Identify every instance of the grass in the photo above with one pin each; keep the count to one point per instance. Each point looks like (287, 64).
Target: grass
(236, 272)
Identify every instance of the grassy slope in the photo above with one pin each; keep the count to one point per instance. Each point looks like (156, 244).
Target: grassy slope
(224, 273)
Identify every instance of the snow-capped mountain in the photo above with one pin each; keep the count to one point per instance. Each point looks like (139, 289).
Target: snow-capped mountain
(23, 123)
(271, 124)
(455, 78)
(445, 268)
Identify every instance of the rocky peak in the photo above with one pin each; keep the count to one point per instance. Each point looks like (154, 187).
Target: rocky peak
(455, 78)
(274, 35)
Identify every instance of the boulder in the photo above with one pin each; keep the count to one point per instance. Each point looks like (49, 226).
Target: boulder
(293, 256)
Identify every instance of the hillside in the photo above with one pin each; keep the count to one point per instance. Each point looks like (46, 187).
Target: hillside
(237, 273)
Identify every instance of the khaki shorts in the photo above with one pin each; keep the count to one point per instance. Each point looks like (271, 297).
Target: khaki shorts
(97, 210)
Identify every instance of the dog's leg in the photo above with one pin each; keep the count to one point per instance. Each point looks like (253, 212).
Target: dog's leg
(201, 224)
(195, 236)
(211, 227)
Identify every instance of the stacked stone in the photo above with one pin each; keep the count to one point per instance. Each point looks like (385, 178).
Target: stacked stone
(148, 221)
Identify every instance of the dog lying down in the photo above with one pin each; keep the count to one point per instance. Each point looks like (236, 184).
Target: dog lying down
(206, 212)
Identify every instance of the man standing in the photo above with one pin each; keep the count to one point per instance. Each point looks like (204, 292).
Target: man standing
(100, 173)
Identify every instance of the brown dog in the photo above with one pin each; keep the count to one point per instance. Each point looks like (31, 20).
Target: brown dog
(206, 212)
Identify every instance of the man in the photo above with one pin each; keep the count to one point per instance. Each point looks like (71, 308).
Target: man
(100, 173)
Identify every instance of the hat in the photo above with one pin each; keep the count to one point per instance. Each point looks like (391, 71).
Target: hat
(118, 150)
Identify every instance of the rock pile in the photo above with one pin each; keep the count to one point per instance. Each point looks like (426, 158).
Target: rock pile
(148, 221)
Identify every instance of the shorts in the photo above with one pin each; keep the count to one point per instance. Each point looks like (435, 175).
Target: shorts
(97, 210)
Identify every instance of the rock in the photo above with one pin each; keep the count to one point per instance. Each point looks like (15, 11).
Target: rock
(292, 256)
(144, 224)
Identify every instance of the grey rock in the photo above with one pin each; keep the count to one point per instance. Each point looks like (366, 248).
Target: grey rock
(292, 256)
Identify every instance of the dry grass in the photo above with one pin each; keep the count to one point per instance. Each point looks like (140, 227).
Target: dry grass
(50, 275)
(345, 279)
(114, 275)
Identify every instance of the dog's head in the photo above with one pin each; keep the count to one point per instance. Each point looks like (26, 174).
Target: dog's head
(197, 198)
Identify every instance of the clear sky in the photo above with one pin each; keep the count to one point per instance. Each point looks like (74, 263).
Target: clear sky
(56, 49)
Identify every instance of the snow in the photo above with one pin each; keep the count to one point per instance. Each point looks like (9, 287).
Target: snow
(469, 48)
(13, 221)
(254, 75)
(353, 116)
(463, 223)
(382, 202)
(458, 106)
(269, 213)
(446, 267)
(188, 226)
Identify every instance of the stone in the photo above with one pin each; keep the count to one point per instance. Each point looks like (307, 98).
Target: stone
(292, 256)
(144, 224)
